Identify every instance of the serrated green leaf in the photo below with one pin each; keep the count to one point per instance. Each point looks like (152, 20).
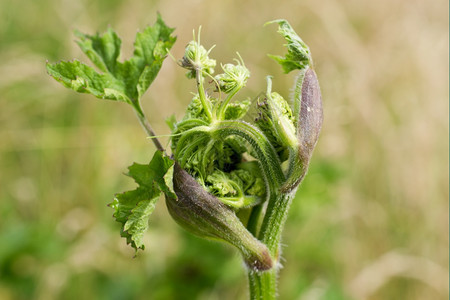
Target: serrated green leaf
(84, 79)
(125, 81)
(133, 208)
(103, 50)
(145, 79)
(137, 223)
(150, 49)
(298, 56)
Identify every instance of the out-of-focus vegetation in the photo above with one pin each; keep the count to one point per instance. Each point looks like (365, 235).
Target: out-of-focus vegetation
(370, 220)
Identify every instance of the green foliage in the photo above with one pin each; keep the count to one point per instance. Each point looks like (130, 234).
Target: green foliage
(122, 81)
(133, 208)
(125, 82)
(84, 79)
(298, 56)
(103, 50)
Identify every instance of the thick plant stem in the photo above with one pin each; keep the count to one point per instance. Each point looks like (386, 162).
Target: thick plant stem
(263, 285)
(273, 223)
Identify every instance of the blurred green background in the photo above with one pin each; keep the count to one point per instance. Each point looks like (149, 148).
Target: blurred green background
(370, 220)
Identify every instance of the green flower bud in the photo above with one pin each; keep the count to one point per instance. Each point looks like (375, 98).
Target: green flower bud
(234, 77)
(196, 59)
(204, 215)
(282, 120)
(277, 122)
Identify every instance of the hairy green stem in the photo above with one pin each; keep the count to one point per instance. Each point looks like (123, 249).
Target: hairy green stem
(273, 223)
(148, 129)
(263, 285)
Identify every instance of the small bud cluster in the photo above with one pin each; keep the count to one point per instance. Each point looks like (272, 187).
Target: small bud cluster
(234, 77)
(196, 59)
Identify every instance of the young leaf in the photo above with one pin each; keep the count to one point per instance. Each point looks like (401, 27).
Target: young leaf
(119, 81)
(150, 50)
(103, 50)
(298, 56)
(84, 79)
(133, 208)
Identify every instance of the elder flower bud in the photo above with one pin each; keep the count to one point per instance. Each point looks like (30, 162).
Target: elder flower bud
(282, 119)
(204, 215)
(196, 59)
(234, 77)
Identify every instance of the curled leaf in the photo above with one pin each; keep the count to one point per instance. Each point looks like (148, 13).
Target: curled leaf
(298, 56)
(133, 208)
